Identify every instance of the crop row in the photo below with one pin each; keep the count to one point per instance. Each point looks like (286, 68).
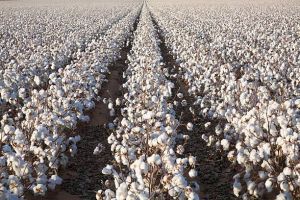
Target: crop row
(149, 164)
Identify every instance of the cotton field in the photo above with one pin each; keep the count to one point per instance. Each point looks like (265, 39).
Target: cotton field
(150, 99)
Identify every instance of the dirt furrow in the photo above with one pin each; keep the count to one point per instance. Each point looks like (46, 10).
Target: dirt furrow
(215, 176)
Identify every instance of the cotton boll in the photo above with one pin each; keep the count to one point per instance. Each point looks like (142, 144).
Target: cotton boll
(118, 102)
(269, 185)
(189, 126)
(192, 160)
(110, 106)
(179, 180)
(184, 103)
(99, 195)
(112, 112)
(237, 188)
(284, 196)
(193, 173)
(122, 191)
(180, 95)
(180, 149)
(40, 189)
(107, 170)
(37, 80)
(207, 124)
(287, 171)
(225, 143)
(193, 196)
(284, 186)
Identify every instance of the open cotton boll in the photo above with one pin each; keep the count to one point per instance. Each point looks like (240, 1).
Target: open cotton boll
(37, 80)
(193, 173)
(99, 195)
(107, 170)
(225, 144)
(192, 161)
(110, 106)
(189, 126)
(287, 171)
(154, 159)
(193, 196)
(180, 149)
(122, 191)
(118, 102)
(180, 95)
(40, 189)
(237, 188)
(179, 181)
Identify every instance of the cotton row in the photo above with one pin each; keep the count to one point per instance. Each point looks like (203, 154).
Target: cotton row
(148, 163)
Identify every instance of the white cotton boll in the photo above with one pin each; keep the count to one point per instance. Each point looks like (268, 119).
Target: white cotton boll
(172, 192)
(250, 187)
(99, 195)
(118, 102)
(40, 189)
(184, 103)
(193, 173)
(107, 170)
(148, 115)
(37, 80)
(109, 194)
(284, 186)
(110, 106)
(179, 181)
(180, 95)
(144, 167)
(281, 177)
(56, 179)
(9, 129)
(122, 191)
(175, 103)
(180, 149)
(169, 129)
(284, 196)
(154, 99)
(287, 171)
(237, 188)
(162, 139)
(154, 159)
(225, 143)
(192, 160)
(204, 137)
(193, 196)
(189, 126)
(262, 175)
(112, 112)
(207, 124)
(22, 93)
(269, 185)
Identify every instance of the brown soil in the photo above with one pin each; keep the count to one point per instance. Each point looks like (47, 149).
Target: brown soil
(214, 170)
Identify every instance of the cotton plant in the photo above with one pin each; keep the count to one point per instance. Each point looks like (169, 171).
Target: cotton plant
(143, 144)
